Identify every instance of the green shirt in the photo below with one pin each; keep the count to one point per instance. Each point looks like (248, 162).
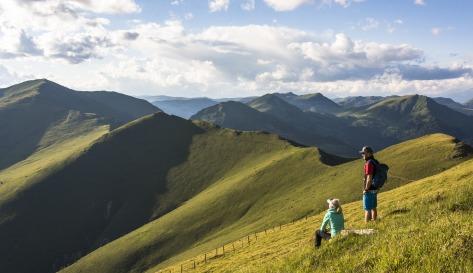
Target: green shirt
(336, 221)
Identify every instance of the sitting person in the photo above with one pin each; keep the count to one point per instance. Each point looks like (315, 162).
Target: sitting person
(334, 217)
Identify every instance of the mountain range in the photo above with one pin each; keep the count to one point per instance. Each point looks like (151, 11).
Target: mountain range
(110, 183)
(36, 114)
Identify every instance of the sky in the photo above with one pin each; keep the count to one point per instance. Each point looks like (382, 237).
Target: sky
(235, 48)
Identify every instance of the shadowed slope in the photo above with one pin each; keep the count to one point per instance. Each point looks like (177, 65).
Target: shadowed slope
(109, 190)
(272, 114)
(38, 113)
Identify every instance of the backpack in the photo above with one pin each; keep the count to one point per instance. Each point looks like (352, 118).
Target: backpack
(380, 174)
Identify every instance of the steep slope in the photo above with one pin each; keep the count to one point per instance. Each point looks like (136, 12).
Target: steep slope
(434, 213)
(38, 113)
(454, 105)
(340, 136)
(311, 102)
(285, 183)
(127, 178)
(184, 108)
(412, 116)
(357, 101)
(272, 114)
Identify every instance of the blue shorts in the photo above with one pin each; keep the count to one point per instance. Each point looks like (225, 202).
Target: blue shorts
(370, 200)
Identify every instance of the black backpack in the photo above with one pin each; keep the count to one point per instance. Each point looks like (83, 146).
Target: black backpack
(380, 174)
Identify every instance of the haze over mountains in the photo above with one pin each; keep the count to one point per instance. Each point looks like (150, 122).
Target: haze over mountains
(342, 130)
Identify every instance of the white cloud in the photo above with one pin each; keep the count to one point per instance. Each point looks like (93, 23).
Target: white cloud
(420, 2)
(436, 31)
(286, 5)
(83, 50)
(343, 53)
(218, 5)
(248, 5)
(369, 24)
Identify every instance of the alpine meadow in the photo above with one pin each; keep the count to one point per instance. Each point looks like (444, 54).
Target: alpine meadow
(236, 136)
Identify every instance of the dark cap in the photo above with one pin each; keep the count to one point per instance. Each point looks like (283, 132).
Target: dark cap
(366, 149)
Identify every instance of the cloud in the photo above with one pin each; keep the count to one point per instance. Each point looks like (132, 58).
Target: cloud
(286, 5)
(436, 31)
(46, 7)
(369, 24)
(216, 61)
(248, 5)
(218, 5)
(420, 2)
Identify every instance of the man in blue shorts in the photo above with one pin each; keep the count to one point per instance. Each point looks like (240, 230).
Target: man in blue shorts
(370, 198)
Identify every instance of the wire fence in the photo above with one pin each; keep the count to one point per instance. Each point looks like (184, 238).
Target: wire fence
(226, 248)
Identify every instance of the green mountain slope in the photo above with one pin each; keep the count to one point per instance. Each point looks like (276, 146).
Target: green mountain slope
(454, 105)
(311, 102)
(425, 226)
(412, 116)
(38, 113)
(272, 114)
(357, 101)
(274, 185)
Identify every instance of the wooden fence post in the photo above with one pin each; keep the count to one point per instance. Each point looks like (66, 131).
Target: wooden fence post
(181, 268)
(194, 264)
(205, 258)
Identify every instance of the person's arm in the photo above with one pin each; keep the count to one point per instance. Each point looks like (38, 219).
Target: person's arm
(369, 181)
(369, 171)
(325, 222)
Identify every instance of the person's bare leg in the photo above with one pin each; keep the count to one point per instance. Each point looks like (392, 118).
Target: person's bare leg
(367, 215)
(374, 214)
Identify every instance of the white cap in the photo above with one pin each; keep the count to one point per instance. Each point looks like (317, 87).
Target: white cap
(333, 203)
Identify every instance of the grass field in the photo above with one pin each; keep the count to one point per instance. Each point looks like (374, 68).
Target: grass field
(260, 191)
(425, 226)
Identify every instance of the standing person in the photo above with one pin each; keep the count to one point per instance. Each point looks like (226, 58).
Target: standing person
(370, 192)
(334, 218)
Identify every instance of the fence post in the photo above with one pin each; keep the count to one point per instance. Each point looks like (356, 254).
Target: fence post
(205, 258)
(181, 268)
(248, 239)
(194, 264)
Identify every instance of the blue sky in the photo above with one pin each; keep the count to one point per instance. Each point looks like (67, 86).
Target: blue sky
(222, 48)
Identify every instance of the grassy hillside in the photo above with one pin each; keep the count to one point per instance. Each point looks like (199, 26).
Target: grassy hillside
(357, 101)
(433, 213)
(454, 105)
(272, 114)
(275, 185)
(407, 117)
(38, 113)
